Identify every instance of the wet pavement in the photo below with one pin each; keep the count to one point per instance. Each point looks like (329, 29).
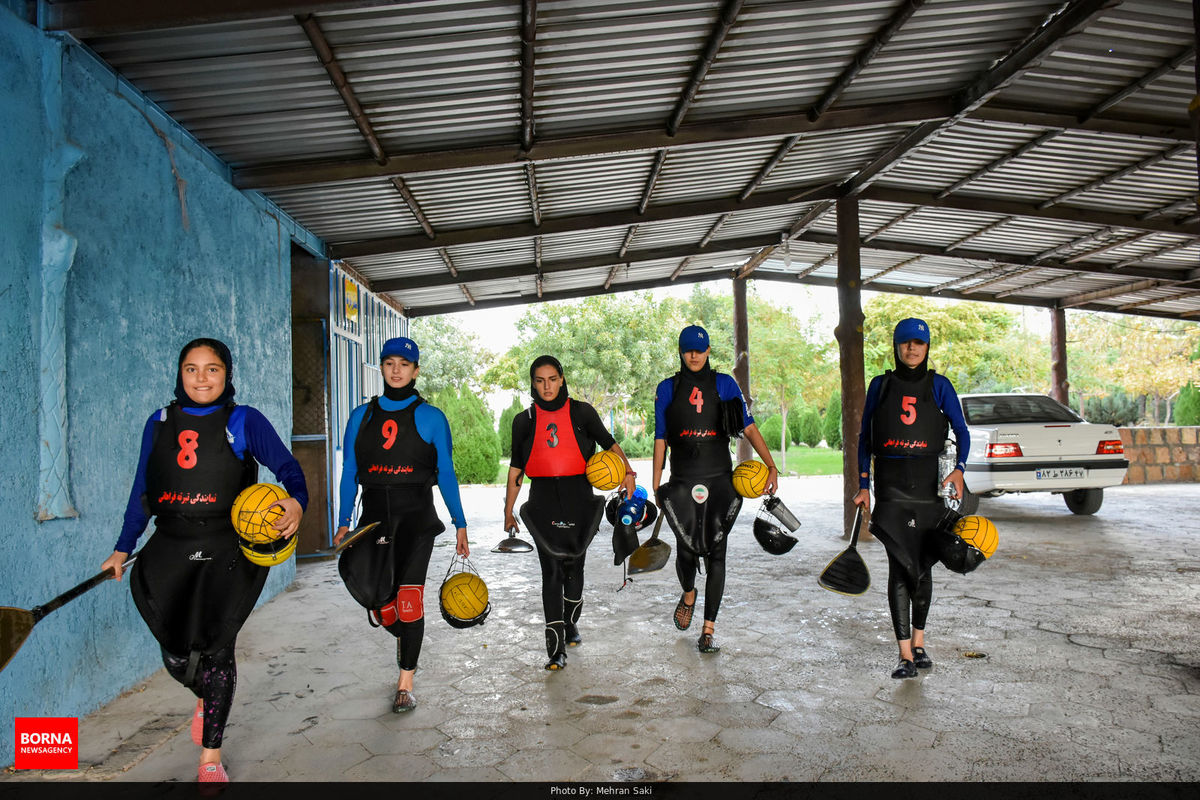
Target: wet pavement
(1072, 655)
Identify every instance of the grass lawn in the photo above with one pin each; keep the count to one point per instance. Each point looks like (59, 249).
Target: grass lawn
(804, 460)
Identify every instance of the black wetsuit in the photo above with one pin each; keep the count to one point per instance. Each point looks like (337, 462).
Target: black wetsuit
(191, 584)
(906, 429)
(397, 470)
(699, 500)
(551, 446)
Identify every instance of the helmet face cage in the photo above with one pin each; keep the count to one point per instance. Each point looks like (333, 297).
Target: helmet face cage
(771, 536)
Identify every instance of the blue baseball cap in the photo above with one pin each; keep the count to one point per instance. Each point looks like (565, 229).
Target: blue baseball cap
(400, 346)
(909, 329)
(693, 337)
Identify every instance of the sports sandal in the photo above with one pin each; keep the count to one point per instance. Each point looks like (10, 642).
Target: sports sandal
(557, 661)
(212, 773)
(921, 659)
(198, 724)
(683, 613)
(705, 644)
(404, 701)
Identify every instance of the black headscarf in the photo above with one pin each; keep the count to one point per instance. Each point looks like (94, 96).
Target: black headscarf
(702, 373)
(905, 372)
(561, 397)
(226, 357)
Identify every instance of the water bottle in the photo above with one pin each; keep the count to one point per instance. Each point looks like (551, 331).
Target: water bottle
(632, 508)
(946, 463)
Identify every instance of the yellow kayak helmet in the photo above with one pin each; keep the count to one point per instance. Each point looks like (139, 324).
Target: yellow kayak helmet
(253, 516)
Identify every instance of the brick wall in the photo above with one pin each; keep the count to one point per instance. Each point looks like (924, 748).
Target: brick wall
(1162, 455)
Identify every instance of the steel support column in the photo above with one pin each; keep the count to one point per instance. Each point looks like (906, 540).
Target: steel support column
(741, 355)
(1059, 386)
(849, 334)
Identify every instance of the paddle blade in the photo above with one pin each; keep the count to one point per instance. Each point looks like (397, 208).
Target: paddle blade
(846, 574)
(354, 535)
(651, 556)
(15, 625)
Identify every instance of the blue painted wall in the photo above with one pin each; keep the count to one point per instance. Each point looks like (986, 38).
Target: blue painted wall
(142, 285)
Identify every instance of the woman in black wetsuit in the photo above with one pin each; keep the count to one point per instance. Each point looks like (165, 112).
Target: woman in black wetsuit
(551, 443)
(905, 419)
(191, 583)
(396, 447)
(696, 412)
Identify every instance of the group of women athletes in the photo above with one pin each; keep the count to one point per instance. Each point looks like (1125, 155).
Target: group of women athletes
(195, 591)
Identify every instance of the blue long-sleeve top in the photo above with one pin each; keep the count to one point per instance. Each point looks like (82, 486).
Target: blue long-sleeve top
(432, 427)
(248, 430)
(727, 389)
(946, 399)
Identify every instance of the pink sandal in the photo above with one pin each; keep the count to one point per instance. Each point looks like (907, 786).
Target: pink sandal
(213, 773)
(198, 724)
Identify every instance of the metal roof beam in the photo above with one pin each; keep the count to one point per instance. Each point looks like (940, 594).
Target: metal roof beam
(1112, 291)
(1005, 262)
(863, 57)
(1010, 208)
(1040, 118)
(337, 76)
(716, 38)
(528, 36)
(560, 225)
(430, 162)
(1182, 57)
(1024, 56)
(106, 17)
(534, 204)
(702, 277)
(310, 173)
(549, 268)
(999, 162)
(1146, 163)
(651, 180)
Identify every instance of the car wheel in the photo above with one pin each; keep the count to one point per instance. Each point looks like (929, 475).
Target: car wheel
(967, 505)
(1084, 501)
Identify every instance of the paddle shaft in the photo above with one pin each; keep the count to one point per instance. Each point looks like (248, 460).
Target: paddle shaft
(41, 611)
(857, 524)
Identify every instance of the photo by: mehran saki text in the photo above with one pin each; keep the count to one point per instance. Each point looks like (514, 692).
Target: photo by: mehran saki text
(602, 790)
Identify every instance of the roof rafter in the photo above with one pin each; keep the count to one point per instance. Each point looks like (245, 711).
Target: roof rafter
(724, 22)
(103, 17)
(528, 64)
(1021, 58)
(1006, 262)
(863, 57)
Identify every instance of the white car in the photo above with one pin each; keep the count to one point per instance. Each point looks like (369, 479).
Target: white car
(1033, 443)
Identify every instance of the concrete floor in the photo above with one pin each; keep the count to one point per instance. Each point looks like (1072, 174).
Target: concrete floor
(1087, 626)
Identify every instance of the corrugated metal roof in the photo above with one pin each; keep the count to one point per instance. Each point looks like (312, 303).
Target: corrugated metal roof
(1073, 174)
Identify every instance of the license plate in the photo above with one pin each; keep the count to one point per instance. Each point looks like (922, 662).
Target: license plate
(1060, 472)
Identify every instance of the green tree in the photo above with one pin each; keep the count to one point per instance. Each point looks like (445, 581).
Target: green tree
(772, 431)
(1187, 407)
(476, 446)
(450, 356)
(794, 433)
(504, 430)
(832, 426)
(810, 427)
(980, 347)
(614, 349)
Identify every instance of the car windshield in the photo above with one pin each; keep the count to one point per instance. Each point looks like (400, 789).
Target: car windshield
(992, 409)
